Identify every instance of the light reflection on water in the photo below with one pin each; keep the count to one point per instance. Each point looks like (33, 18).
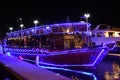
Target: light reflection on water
(115, 74)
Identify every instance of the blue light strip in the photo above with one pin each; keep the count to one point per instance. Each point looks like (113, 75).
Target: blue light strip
(98, 57)
(62, 65)
(75, 71)
(65, 69)
(92, 64)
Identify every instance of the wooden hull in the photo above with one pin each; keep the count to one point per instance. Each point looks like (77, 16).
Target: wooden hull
(64, 58)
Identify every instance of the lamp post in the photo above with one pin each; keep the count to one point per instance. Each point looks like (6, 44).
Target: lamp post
(87, 15)
(21, 25)
(35, 22)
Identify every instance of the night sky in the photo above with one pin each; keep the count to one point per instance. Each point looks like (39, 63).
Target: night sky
(48, 12)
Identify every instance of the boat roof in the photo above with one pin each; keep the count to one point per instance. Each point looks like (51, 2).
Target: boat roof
(47, 29)
(105, 27)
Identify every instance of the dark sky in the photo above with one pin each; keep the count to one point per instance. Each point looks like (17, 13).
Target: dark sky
(102, 11)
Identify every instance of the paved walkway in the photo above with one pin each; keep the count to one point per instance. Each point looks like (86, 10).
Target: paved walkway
(28, 71)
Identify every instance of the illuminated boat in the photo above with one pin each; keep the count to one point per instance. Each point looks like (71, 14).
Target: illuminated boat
(61, 45)
(105, 33)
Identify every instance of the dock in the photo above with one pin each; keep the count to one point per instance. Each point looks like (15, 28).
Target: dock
(21, 70)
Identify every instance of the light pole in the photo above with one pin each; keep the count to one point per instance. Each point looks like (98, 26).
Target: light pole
(87, 15)
(21, 25)
(35, 22)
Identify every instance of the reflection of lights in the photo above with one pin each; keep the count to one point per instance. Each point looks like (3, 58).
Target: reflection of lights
(115, 74)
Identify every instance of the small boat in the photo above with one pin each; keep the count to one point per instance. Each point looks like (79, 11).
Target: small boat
(105, 33)
(60, 45)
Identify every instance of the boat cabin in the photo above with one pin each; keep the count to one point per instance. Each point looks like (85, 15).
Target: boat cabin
(105, 33)
(54, 36)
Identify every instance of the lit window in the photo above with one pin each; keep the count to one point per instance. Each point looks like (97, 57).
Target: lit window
(111, 34)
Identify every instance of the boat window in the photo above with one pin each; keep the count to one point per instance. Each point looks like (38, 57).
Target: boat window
(111, 34)
(119, 34)
(118, 43)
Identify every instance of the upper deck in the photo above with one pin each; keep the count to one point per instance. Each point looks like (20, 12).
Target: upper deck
(52, 28)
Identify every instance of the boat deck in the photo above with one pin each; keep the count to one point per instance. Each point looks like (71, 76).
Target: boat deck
(26, 71)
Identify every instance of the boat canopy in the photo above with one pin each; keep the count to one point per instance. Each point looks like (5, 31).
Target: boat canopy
(69, 28)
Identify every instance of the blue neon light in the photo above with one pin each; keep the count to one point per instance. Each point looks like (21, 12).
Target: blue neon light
(62, 65)
(8, 53)
(65, 69)
(65, 52)
(70, 70)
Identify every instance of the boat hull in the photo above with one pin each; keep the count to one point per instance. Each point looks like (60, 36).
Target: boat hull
(65, 58)
(116, 50)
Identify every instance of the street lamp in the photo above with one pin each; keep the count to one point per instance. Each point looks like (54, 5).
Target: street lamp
(87, 15)
(21, 25)
(35, 22)
(11, 29)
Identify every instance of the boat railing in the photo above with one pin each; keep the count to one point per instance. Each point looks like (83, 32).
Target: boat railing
(38, 50)
(26, 50)
(109, 45)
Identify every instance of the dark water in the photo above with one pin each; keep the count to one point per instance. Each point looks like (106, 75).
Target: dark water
(108, 69)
